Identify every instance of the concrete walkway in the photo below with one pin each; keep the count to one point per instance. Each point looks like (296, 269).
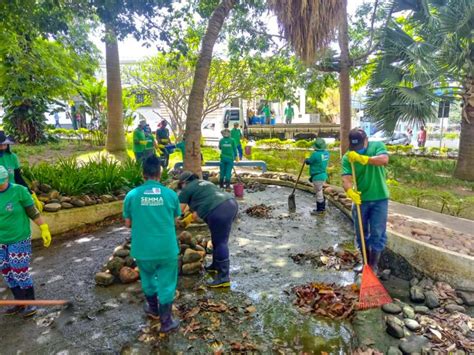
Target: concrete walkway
(434, 218)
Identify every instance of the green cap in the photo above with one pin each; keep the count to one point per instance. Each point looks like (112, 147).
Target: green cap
(319, 143)
(3, 175)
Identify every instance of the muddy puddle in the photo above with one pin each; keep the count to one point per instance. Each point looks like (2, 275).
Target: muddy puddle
(255, 314)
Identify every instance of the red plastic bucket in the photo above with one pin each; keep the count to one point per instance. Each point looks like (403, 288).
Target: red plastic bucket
(239, 190)
(248, 150)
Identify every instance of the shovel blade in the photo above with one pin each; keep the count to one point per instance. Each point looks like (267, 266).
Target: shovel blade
(291, 203)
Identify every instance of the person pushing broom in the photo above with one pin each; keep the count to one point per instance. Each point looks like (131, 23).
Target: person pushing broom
(369, 160)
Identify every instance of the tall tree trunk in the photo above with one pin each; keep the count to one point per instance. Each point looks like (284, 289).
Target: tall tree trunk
(115, 131)
(192, 159)
(344, 81)
(465, 164)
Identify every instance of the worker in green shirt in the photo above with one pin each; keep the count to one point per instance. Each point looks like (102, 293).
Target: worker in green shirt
(150, 210)
(370, 159)
(16, 210)
(139, 140)
(267, 113)
(289, 113)
(150, 142)
(228, 155)
(318, 164)
(9, 161)
(218, 209)
(182, 146)
(236, 135)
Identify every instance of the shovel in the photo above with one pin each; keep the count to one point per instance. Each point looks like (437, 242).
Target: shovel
(291, 198)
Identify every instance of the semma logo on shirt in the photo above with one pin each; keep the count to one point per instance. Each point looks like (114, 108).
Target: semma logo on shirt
(151, 201)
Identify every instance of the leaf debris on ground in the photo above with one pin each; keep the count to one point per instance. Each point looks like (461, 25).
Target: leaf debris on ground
(259, 211)
(329, 258)
(327, 300)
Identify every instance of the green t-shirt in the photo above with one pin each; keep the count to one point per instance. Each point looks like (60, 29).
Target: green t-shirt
(150, 141)
(182, 147)
(202, 197)
(318, 164)
(266, 111)
(152, 209)
(228, 149)
(371, 179)
(14, 222)
(236, 135)
(10, 162)
(138, 137)
(289, 112)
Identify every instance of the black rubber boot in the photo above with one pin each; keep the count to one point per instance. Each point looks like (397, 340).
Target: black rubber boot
(151, 307)
(227, 186)
(374, 260)
(221, 184)
(212, 269)
(222, 279)
(17, 294)
(166, 318)
(28, 311)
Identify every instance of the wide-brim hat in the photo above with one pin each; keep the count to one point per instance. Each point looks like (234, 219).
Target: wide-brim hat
(319, 143)
(185, 176)
(225, 133)
(4, 139)
(357, 138)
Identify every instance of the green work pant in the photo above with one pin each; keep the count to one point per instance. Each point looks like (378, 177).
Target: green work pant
(226, 167)
(159, 277)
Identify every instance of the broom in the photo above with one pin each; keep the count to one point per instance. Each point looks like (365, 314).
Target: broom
(372, 294)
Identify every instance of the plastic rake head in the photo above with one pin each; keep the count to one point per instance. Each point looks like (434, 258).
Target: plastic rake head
(372, 293)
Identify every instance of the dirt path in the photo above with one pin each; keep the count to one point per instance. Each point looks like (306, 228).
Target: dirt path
(257, 311)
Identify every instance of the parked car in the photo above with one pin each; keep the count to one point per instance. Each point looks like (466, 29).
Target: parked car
(397, 138)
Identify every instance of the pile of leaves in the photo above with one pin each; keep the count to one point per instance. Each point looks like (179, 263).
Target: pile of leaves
(329, 258)
(259, 211)
(253, 186)
(448, 332)
(327, 300)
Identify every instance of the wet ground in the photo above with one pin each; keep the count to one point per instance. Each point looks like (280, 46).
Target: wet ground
(256, 312)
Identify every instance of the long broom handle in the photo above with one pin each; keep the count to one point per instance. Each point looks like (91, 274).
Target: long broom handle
(33, 302)
(359, 217)
(299, 175)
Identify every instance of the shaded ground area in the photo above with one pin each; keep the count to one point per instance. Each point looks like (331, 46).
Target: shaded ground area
(256, 313)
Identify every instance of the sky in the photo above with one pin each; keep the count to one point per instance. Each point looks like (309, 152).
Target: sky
(131, 49)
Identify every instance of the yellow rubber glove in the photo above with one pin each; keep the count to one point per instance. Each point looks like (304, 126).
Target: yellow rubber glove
(45, 234)
(186, 221)
(354, 196)
(355, 157)
(37, 202)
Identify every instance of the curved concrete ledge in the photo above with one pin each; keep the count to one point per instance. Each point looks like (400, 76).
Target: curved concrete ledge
(440, 264)
(67, 220)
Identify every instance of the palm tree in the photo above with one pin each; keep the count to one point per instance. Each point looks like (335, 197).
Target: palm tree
(192, 159)
(309, 26)
(115, 131)
(436, 54)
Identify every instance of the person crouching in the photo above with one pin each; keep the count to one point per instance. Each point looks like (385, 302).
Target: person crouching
(218, 209)
(150, 210)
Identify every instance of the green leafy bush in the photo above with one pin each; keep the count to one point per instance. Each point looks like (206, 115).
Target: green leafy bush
(98, 176)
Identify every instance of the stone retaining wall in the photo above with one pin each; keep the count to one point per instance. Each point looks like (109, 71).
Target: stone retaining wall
(67, 220)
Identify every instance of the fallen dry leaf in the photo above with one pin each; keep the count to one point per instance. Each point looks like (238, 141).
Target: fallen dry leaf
(251, 309)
